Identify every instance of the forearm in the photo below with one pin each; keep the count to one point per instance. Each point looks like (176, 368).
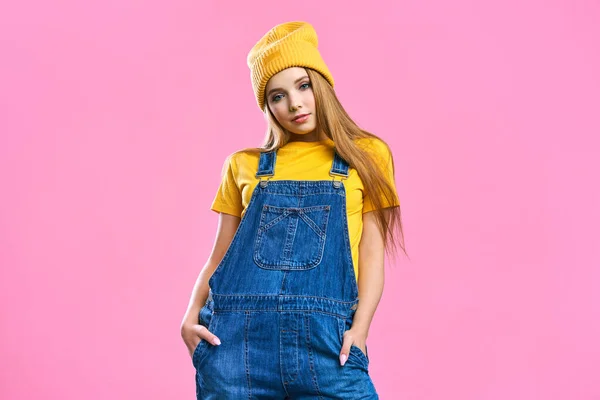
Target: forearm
(370, 289)
(371, 251)
(199, 295)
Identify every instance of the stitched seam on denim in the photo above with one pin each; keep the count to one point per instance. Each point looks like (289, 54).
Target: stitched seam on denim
(198, 388)
(296, 372)
(348, 248)
(266, 296)
(281, 290)
(306, 182)
(298, 311)
(341, 327)
(316, 229)
(231, 303)
(265, 227)
(290, 266)
(281, 374)
(288, 244)
(338, 171)
(320, 207)
(319, 257)
(246, 352)
(258, 239)
(310, 355)
(303, 195)
(290, 303)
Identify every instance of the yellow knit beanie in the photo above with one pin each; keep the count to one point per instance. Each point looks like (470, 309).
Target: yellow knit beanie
(291, 44)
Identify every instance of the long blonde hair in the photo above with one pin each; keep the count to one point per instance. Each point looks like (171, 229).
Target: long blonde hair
(337, 125)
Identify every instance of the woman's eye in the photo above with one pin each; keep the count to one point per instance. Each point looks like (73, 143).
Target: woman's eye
(304, 86)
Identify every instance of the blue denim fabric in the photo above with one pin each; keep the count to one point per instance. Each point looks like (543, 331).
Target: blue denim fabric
(283, 296)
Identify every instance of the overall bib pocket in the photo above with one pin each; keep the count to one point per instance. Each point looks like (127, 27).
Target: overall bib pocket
(291, 238)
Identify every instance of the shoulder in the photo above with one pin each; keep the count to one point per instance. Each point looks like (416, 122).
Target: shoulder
(244, 158)
(375, 146)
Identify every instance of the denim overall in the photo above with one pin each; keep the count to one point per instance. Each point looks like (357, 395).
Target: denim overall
(283, 296)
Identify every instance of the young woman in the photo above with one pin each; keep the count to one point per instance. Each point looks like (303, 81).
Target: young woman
(304, 222)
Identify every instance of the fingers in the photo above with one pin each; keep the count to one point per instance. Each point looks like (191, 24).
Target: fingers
(205, 334)
(345, 350)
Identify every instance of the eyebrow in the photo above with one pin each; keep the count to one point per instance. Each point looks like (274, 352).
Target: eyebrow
(296, 81)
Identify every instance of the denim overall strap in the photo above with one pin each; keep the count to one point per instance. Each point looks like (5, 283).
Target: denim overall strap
(266, 164)
(339, 167)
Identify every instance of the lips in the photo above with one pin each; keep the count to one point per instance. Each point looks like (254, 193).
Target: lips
(299, 116)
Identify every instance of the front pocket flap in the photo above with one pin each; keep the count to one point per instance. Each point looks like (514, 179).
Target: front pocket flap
(271, 216)
(313, 216)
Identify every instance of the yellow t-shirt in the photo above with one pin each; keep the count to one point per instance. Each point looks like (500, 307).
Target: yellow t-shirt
(302, 161)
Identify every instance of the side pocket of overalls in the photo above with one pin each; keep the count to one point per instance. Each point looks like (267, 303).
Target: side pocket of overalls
(205, 318)
(356, 355)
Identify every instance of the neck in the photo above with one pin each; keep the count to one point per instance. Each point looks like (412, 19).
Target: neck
(313, 136)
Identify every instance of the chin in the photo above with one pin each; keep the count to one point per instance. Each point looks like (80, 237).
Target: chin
(296, 131)
(300, 134)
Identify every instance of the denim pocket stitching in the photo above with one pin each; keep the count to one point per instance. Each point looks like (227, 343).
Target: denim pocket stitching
(265, 227)
(313, 225)
(291, 264)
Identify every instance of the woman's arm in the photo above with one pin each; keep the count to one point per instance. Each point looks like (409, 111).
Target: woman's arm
(370, 285)
(191, 331)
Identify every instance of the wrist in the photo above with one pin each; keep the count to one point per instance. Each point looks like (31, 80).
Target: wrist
(188, 321)
(360, 329)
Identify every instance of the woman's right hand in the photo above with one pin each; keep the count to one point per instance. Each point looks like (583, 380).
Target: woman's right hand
(192, 334)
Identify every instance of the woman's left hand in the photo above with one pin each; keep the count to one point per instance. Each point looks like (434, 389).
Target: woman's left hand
(352, 337)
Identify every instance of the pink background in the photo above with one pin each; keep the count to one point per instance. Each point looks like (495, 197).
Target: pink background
(115, 119)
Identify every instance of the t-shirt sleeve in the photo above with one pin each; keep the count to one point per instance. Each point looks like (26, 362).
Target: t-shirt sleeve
(228, 198)
(384, 161)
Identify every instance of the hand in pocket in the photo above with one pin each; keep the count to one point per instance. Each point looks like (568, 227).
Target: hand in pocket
(193, 334)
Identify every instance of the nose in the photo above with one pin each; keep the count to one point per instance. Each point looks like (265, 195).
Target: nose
(294, 103)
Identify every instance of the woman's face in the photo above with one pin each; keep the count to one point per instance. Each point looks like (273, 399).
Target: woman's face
(289, 94)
